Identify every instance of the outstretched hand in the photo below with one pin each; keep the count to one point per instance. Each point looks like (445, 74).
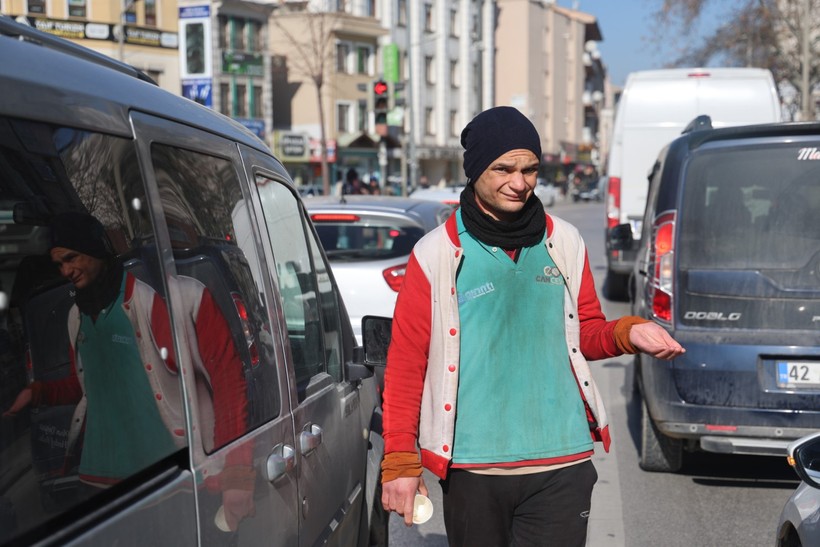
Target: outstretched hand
(652, 339)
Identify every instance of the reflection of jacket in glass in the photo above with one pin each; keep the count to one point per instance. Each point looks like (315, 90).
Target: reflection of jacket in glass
(220, 397)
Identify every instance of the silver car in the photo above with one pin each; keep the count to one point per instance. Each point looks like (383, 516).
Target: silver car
(799, 523)
(368, 240)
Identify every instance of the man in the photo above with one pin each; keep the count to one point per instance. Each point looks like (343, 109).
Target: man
(124, 377)
(487, 369)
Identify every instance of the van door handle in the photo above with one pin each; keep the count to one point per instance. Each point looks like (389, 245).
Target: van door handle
(310, 438)
(282, 460)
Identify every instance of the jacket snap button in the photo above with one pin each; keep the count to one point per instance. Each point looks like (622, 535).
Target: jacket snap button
(445, 448)
(571, 316)
(458, 253)
(586, 383)
(448, 407)
(158, 396)
(451, 368)
(574, 350)
(452, 332)
(452, 290)
(148, 366)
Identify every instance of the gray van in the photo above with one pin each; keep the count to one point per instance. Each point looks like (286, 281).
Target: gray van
(729, 264)
(210, 391)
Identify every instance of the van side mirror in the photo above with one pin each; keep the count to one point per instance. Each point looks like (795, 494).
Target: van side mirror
(619, 238)
(376, 332)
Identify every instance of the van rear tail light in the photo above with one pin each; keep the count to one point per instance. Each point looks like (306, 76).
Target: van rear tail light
(395, 276)
(663, 252)
(247, 332)
(613, 202)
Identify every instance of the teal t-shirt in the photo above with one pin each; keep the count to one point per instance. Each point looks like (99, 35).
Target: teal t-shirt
(124, 431)
(518, 398)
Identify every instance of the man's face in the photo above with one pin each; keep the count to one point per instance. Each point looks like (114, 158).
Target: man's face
(509, 181)
(81, 269)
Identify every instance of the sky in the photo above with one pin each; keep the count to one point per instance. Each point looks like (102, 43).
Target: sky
(624, 25)
(626, 29)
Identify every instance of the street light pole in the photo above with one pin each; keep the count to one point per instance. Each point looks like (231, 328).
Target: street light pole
(411, 110)
(126, 5)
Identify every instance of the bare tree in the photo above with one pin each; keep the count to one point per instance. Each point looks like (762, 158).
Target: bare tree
(781, 35)
(308, 29)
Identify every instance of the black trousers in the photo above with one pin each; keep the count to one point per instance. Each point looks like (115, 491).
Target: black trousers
(536, 510)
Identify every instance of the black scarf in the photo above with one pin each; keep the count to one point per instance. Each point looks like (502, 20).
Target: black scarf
(102, 292)
(525, 231)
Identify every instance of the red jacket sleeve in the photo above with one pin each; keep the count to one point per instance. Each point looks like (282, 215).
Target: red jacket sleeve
(221, 359)
(407, 361)
(597, 334)
(65, 391)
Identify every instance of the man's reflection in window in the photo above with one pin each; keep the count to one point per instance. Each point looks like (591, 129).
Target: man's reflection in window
(124, 376)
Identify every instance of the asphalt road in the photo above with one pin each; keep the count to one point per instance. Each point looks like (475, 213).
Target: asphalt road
(715, 500)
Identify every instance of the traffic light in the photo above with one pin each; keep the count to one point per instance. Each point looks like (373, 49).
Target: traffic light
(381, 100)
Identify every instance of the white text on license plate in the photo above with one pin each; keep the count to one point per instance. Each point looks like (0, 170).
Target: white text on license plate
(798, 374)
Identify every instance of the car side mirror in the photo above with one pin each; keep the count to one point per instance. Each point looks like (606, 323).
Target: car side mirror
(376, 332)
(804, 456)
(619, 238)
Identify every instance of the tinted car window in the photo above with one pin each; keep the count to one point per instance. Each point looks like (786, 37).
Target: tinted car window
(365, 239)
(749, 234)
(207, 220)
(310, 305)
(90, 425)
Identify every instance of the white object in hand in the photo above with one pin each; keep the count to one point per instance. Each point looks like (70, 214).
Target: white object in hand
(220, 521)
(422, 509)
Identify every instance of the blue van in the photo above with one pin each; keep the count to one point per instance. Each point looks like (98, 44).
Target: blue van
(729, 264)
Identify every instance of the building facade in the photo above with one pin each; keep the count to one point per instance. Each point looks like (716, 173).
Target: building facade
(561, 88)
(150, 41)
(447, 63)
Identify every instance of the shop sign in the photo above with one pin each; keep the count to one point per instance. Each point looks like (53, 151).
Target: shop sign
(316, 150)
(250, 64)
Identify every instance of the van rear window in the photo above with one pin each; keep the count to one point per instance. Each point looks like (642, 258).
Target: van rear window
(749, 239)
(751, 208)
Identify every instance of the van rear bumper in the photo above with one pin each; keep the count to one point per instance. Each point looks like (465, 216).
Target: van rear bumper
(749, 440)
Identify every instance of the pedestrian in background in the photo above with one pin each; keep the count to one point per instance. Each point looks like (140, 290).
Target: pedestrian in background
(487, 369)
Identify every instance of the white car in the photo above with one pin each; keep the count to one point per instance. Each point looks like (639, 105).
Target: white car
(449, 194)
(547, 193)
(799, 523)
(368, 240)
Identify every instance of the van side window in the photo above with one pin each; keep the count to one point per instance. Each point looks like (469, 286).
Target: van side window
(90, 394)
(308, 299)
(217, 262)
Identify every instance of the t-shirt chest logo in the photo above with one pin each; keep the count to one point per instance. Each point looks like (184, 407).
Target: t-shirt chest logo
(551, 276)
(472, 294)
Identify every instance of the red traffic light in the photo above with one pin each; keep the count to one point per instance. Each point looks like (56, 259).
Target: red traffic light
(379, 87)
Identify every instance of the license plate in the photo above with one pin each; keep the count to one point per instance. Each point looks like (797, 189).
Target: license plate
(798, 374)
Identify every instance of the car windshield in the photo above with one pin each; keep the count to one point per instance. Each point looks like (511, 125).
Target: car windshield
(354, 241)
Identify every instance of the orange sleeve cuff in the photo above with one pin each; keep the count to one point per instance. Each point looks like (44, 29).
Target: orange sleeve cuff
(400, 464)
(622, 329)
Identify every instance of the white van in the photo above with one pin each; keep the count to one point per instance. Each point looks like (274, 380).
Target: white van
(656, 105)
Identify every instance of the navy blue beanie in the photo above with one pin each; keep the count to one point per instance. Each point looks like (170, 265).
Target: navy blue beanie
(79, 232)
(492, 134)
